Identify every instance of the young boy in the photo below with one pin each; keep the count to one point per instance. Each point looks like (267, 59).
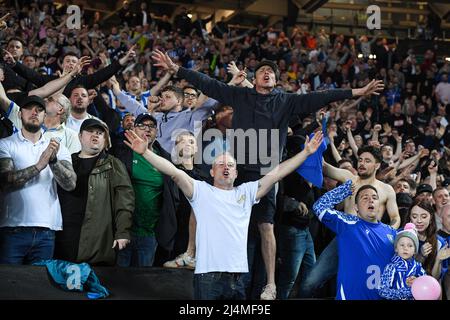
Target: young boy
(399, 275)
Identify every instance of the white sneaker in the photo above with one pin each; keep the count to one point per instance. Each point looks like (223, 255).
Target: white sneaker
(182, 261)
(269, 292)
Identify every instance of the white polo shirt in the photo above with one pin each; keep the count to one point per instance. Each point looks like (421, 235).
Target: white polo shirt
(36, 204)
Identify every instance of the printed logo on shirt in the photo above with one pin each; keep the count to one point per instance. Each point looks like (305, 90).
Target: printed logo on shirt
(135, 161)
(390, 237)
(367, 231)
(241, 199)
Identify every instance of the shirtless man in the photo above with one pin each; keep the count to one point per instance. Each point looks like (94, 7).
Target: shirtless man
(369, 161)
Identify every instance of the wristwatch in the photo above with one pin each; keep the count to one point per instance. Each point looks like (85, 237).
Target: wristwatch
(53, 161)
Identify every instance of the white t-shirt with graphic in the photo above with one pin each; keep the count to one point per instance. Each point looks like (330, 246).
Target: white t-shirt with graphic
(222, 218)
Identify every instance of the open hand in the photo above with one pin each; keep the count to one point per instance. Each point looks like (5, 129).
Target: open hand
(373, 87)
(84, 61)
(133, 141)
(163, 61)
(312, 145)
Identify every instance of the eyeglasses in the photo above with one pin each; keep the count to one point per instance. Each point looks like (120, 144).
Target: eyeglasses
(144, 126)
(190, 95)
(50, 99)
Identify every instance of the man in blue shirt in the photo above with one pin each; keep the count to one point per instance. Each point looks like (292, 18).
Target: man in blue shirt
(365, 245)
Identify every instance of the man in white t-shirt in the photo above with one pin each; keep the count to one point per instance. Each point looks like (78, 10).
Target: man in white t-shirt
(30, 168)
(79, 99)
(223, 213)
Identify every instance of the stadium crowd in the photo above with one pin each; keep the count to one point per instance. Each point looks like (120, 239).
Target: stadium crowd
(121, 146)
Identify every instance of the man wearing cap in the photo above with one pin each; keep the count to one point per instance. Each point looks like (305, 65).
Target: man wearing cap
(97, 213)
(263, 107)
(424, 193)
(156, 198)
(30, 164)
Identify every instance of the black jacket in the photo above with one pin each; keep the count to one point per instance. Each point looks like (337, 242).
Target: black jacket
(166, 227)
(88, 81)
(253, 110)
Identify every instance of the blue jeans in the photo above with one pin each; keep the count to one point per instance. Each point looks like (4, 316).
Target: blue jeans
(218, 286)
(325, 268)
(26, 245)
(296, 249)
(139, 253)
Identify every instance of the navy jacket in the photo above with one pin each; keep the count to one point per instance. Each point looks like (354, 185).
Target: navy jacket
(253, 110)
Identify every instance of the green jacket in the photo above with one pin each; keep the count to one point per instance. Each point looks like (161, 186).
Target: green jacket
(108, 211)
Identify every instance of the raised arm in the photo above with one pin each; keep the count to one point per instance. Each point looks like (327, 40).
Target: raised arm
(211, 87)
(184, 182)
(286, 167)
(325, 212)
(422, 153)
(337, 174)
(29, 74)
(161, 83)
(93, 80)
(351, 140)
(4, 100)
(59, 83)
(131, 104)
(311, 102)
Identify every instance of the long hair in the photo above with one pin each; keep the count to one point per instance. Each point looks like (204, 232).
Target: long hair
(430, 232)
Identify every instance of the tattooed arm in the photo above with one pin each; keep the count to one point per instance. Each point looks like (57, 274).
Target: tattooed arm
(64, 174)
(12, 180)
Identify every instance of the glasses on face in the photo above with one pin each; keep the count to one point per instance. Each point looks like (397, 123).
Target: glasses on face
(144, 126)
(51, 99)
(190, 95)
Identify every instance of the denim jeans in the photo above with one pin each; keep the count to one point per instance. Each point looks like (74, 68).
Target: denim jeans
(218, 286)
(296, 250)
(26, 245)
(139, 253)
(325, 268)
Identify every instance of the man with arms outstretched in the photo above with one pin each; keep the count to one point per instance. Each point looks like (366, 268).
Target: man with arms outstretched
(262, 108)
(222, 212)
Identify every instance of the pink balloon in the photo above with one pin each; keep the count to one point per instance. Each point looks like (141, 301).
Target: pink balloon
(426, 288)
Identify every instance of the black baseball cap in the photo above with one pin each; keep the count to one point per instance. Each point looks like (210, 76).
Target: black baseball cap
(424, 187)
(91, 123)
(271, 64)
(32, 100)
(144, 116)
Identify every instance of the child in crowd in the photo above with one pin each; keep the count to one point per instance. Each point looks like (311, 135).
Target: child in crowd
(399, 275)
